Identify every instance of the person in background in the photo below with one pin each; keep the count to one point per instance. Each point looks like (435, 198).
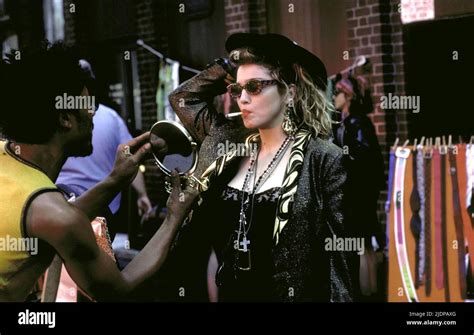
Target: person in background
(81, 173)
(40, 137)
(355, 133)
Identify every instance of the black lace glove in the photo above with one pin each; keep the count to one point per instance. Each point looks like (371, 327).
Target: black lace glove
(225, 64)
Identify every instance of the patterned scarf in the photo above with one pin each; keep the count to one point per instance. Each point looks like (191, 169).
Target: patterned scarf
(290, 180)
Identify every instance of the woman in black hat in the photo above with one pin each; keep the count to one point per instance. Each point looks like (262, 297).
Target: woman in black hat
(273, 211)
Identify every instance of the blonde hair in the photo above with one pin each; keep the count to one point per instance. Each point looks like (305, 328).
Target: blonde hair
(312, 110)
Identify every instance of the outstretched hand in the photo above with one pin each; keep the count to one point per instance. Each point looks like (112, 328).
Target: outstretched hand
(128, 158)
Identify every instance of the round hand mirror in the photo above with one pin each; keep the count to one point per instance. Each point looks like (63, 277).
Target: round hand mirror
(174, 149)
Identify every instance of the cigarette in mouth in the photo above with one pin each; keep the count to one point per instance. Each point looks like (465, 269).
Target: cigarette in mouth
(231, 115)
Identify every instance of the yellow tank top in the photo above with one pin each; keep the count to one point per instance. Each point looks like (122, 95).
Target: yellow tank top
(20, 183)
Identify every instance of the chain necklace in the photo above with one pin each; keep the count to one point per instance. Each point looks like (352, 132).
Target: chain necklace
(242, 244)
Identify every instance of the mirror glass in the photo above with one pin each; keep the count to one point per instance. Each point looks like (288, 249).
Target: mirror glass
(173, 147)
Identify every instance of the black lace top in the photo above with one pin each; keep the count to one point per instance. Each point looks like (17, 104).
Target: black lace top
(255, 284)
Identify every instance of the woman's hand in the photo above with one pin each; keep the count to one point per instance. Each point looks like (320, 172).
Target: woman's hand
(229, 79)
(180, 201)
(228, 66)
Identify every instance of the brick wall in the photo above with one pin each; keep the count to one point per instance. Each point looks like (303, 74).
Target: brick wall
(236, 14)
(257, 16)
(147, 62)
(375, 31)
(151, 21)
(245, 16)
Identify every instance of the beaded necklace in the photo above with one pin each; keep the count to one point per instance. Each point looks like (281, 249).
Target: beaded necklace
(242, 244)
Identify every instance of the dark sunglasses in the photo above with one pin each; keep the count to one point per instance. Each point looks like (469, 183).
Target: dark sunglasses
(253, 87)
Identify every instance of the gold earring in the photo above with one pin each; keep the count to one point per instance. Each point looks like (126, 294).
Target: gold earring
(288, 125)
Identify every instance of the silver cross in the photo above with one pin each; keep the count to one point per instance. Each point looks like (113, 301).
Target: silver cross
(244, 243)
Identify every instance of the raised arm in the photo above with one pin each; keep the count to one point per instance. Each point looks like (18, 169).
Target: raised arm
(193, 100)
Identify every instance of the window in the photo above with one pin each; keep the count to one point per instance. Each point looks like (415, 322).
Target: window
(417, 10)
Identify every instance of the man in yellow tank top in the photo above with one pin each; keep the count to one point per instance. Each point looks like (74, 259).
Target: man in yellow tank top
(36, 220)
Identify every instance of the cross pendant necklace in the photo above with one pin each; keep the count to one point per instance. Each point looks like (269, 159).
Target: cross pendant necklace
(243, 246)
(243, 255)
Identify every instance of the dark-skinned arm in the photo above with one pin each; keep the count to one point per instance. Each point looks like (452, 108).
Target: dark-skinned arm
(68, 230)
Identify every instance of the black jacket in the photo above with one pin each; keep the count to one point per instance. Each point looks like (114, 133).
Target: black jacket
(365, 172)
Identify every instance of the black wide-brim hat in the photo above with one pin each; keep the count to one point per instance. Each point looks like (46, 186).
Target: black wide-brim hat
(278, 49)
